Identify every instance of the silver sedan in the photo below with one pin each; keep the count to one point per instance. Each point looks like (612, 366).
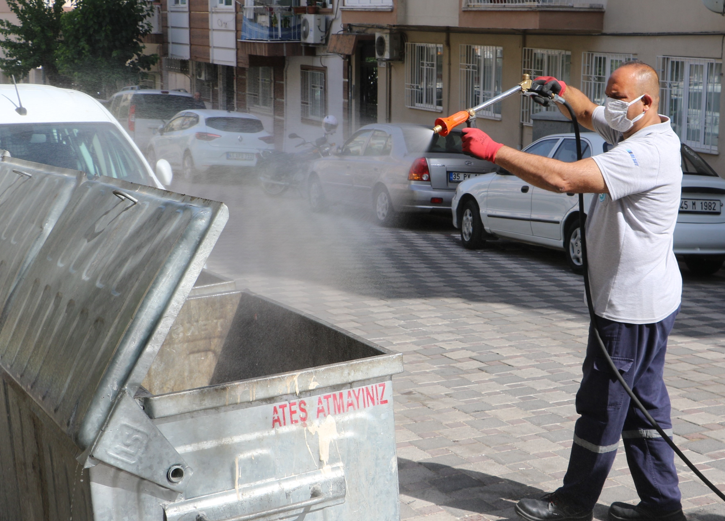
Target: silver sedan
(393, 169)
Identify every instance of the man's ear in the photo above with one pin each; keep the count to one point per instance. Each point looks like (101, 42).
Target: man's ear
(647, 100)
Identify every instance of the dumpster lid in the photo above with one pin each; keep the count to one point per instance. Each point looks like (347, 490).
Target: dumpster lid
(93, 307)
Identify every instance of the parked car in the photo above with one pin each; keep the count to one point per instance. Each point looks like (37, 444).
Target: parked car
(499, 204)
(69, 129)
(142, 111)
(393, 168)
(197, 140)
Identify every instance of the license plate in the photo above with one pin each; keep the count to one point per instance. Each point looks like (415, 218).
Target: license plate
(700, 206)
(240, 156)
(457, 177)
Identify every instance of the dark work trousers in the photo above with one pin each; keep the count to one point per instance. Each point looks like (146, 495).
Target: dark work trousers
(638, 351)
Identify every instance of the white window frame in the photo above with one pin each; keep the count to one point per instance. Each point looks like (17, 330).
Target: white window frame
(480, 72)
(260, 89)
(178, 4)
(679, 93)
(223, 4)
(542, 62)
(312, 81)
(596, 69)
(367, 4)
(424, 76)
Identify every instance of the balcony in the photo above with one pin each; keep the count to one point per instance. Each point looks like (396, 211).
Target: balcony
(535, 4)
(270, 31)
(271, 24)
(537, 16)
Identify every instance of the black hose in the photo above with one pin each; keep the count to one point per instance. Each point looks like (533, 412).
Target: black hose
(593, 318)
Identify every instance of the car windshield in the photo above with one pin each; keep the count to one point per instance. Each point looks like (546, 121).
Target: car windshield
(162, 106)
(693, 164)
(94, 148)
(241, 125)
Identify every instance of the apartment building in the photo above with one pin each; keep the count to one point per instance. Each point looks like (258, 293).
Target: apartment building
(447, 55)
(268, 57)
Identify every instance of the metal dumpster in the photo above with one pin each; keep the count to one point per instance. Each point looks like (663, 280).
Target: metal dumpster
(127, 395)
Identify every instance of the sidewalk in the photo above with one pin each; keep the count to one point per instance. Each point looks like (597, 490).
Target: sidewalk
(493, 343)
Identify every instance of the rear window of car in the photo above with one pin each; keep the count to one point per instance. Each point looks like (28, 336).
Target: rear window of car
(693, 164)
(421, 139)
(94, 148)
(162, 106)
(241, 125)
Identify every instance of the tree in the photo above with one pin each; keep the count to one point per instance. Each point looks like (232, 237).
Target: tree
(35, 42)
(102, 45)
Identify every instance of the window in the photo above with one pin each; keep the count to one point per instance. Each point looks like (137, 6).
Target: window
(178, 3)
(567, 151)
(543, 62)
(225, 3)
(381, 143)
(259, 88)
(424, 76)
(314, 104)
(542, 148)
(480, 77)
(355, 145)
(690, 96)
(596, 69)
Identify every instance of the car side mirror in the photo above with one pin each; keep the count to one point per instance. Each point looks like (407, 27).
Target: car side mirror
(163, 172)
(160, 129)
(502, 171)
(294, 136)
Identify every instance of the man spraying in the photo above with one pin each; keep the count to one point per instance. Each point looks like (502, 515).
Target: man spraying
(636, 288)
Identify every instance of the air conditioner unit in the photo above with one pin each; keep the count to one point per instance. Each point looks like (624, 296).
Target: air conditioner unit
(388, 46)
(314, 28)
(201, 72)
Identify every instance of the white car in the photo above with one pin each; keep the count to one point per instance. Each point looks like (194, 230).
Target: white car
(69, 129)
(499, 204)
(197, 140)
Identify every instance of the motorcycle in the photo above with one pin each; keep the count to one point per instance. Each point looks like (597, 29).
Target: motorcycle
(279, 171)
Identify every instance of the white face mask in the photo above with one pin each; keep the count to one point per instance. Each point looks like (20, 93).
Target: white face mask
(615, 112)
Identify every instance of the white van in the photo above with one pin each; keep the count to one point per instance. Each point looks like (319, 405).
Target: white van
(142, 111)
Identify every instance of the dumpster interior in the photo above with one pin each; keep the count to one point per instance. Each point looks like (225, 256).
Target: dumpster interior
(237, 335)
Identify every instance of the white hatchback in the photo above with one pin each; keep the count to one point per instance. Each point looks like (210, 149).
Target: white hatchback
(499, 204)
(197, 140)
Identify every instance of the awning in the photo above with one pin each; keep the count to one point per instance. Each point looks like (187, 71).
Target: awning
(342, 43)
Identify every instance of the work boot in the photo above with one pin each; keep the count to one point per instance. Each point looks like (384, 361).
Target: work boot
(551, 507)
(624, 512)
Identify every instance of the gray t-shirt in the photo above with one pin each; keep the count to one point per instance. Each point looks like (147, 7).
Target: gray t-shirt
(632, 267)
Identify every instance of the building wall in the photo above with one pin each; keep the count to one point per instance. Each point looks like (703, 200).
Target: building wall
(508, 130)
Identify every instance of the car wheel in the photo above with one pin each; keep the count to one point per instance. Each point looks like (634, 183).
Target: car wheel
(271, 182)
(573, 247)
(315, 195)
(471, 226)
(703, 264)
(383, 207)
(188, 168)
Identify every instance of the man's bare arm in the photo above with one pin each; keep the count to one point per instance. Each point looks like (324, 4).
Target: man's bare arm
(550, 174)
(583, 106)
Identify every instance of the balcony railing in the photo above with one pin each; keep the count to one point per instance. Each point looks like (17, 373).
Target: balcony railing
(536, 4)
(271, 23)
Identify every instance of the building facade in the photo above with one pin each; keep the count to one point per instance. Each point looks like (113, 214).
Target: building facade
(454, 54)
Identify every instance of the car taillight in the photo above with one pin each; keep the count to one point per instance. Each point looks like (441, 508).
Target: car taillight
(206, 136)
(267, 139)
(132, 118)
(419, 170)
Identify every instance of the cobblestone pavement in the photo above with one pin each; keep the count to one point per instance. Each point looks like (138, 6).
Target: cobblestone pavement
(493, 342)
